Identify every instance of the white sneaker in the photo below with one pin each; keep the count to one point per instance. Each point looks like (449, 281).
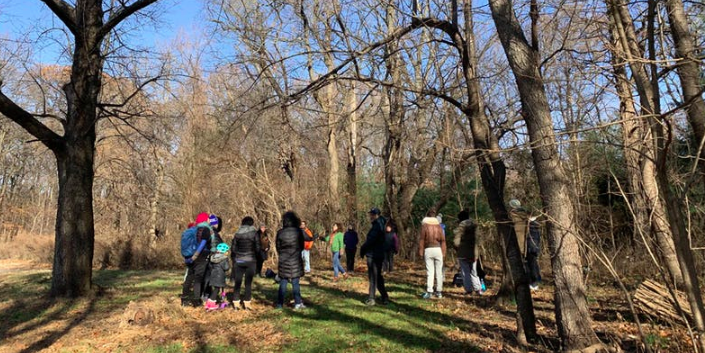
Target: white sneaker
(534, 287)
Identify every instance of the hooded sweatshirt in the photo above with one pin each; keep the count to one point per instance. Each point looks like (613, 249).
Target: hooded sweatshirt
(431, 235)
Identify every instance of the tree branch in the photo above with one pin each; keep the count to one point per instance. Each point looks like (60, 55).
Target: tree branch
(122, 14)
(28, 122)
(64, 11)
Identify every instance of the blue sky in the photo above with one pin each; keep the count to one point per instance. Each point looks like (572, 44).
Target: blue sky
(174, 17)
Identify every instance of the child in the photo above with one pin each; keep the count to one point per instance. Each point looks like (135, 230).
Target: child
(219, 266)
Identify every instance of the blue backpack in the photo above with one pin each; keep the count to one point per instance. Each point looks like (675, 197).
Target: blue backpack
(189, 244)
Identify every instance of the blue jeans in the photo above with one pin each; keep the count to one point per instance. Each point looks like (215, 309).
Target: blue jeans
(306, 256)
(294, 286)
(471, 281)
(337, 267)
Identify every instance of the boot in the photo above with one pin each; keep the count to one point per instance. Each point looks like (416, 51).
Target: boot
(247, 305)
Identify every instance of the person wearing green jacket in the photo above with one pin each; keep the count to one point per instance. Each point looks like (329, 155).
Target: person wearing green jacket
(337, 246)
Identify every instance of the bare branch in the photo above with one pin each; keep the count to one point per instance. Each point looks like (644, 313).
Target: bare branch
(122, 14)
(64, 11)
(28, 122)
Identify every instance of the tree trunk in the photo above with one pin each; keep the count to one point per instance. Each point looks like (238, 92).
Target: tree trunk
(689, 73)
(352, 159)
(572, 314)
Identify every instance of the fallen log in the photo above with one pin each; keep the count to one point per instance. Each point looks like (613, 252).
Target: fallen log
(654, 299)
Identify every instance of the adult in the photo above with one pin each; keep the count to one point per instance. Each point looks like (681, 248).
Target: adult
(391, 246)
(432, 247)
(336, 248)
(290, 244)
(308, 244)
(197, 265)
(373, 250)
(351, 240)
(244, 249)
(466, 245)
(263, 253)
(533, 249)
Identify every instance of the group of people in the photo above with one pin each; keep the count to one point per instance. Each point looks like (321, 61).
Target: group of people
(208, 264)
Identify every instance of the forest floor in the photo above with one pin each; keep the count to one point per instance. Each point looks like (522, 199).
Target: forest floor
(336, 319)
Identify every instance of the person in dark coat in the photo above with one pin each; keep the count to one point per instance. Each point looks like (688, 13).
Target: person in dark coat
(465, 241)
(244, 249)
(290, 244)
(391, 246)
(196, 267)
(219, 266)
(351, 240)
(533, 249)
(373, 250)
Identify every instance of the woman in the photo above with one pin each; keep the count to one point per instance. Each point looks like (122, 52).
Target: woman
(432, 247)
(290, 244)
(244, 249)
(391, 246)
(336, 247)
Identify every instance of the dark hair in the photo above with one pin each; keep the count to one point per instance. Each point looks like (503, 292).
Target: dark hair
(463, 215)
(248, 221)
(340, 226)
(290, 219)
(219, 227)
(392, 224)
(431, 213)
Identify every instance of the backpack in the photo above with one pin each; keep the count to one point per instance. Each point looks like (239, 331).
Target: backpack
(458, 279)
(189, 244)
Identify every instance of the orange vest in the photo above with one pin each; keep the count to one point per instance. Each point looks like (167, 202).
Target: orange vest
(308, 244)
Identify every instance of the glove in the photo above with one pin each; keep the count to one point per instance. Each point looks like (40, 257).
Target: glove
(188, 260)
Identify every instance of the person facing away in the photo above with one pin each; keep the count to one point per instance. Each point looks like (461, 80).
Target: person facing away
(337, 247)
(391, 245)
(351, 240)
(308, 244)
(533, 249)
(373, 250)
(289, 244)
(219, 266)
(264, 248)
(466, 245)
(245, 246)
(432, 247)
(197, 266)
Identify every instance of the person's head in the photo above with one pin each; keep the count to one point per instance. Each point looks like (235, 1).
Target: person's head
(514, 204)
(213, 221)
(291, 219)
(222, 248)
(463, 215)
(248, 221)
(391, 226)
(374, 213)
(303, 225)
(202, 217)
(262, 228)
(351, 227)
(431, 213)
(337, 227)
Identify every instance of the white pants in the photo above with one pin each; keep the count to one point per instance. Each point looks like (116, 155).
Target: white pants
(434, 268)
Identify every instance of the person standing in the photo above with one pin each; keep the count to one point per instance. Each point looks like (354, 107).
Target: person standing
(466, 245)
(289, 244)
(336, 248)
(245, 246)
(351, 240)
(264, 248)
(373, 250)
(533, 249)
(308, 244)
(198, 264)
(391, 246)
(432, 247)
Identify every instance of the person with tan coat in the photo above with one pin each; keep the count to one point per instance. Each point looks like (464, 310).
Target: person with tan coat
(432, 246)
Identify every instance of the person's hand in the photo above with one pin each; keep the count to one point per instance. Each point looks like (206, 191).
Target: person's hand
(188, 260)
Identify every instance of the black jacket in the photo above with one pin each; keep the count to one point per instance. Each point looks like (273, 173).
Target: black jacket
(465, 240)
(374, 244)
(290, 243)
(219, 267)
(533, 245)
(245, 244)
(350, 239)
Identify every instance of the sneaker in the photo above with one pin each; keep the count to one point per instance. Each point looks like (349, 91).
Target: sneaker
(480, 292)
(345, 275)
(247, 305)
(438, 295)
(299, 306)
(185, 301)
(534, 287)
(223, 305)
(211, 305)
(385, 301)
(279, 307)
(370, 302)
(427, 295)
(196, 303)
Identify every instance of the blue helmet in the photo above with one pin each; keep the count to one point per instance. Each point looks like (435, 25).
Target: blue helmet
(223, 248)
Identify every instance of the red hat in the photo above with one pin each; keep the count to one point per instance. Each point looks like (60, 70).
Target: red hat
(191, 224)
(202, 217)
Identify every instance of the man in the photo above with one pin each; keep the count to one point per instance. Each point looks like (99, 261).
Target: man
(432, 247)
(373, 249)
(198, 264)
(263, 238)
(466, 244)
(351, 240)
(308, 244)
(533, 249)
